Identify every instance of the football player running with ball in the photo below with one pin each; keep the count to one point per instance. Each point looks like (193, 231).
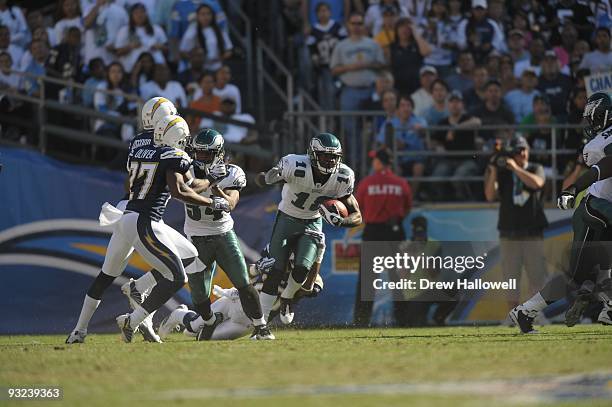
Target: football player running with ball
(212, 233)
(591, 223)
(309, 180)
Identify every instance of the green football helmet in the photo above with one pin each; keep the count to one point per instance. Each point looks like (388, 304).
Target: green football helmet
(325, 153)
(597, 113)
(207, 147)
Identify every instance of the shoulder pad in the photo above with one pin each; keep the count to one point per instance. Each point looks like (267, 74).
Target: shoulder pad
(236, 178)
(174, 153)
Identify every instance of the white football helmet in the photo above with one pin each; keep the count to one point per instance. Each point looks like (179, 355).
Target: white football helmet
(171, 131)
(154, 109)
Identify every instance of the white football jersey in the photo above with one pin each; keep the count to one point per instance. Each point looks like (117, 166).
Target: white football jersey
(202, 220)
(231, 308)
(301, 197)
(593, 152)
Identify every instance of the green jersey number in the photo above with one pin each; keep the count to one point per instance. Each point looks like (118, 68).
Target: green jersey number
(195, 212)
(302, 197)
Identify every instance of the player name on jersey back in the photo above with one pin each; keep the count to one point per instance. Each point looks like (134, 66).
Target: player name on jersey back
(301, 196)
(202, 220)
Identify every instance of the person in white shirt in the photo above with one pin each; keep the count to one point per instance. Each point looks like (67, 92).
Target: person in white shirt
(162, 85)
(232, 133)
(223, 88)
(8, 78)
(102, 22)
(600, 59)
(68, 15)
(205, 33)
(13, 50)
(12, 17)
(140, 36)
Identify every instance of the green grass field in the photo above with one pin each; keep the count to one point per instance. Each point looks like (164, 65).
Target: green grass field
(436, 366)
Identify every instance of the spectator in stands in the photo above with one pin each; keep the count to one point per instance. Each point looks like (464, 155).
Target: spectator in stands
(554, 84)
(506, 73)
(569, 37)
(537, 49)
(439, 110)
(36, 67)
(573, 12)
(8, 79)
(12, 17)
(182, 16)
(225, 89)
(493, 111)
(375, 15)
(339, 11)
(455, 13)
(461, 79)
(440, 33)
(195, 71)
(577, 102)
(68, 15)
(149, 5)
(36, 20)
(102, 22)
(162, 85)
(405, 137)
(475, 96)
(520, 21)
(39, 34)
(541, 138)
(384, 81)
(497, 13)
(407, 53)
(232, 133)
(162, 14)
(493, 62)
(15, 51)
(65, 62)
(109, 98)
(386, 36)
(422, 97)
(97, 72)
(516, 46)
(601, 58)
(580, 50)
(389, 106)
(456, 140)
(142, 71)
(324, 36)
(355, 60)
(480, 34)
(205, 33)
(207, 103)
(140, 36)
(520, 100)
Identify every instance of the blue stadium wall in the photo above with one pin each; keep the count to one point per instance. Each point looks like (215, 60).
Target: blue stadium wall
(51, 247)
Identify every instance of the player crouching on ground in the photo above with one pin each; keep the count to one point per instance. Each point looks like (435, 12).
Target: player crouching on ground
(309, 181)
(235, 323)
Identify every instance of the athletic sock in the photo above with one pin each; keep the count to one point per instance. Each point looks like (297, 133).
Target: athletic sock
(266, 301)
(258, 321)
(198, 323)
(535, 303)
(292, 288)
(145, 282)
(89, 307)
(249, 299)
(137, 316)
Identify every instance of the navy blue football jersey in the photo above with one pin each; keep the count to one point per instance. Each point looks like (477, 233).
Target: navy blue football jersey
(147, 166)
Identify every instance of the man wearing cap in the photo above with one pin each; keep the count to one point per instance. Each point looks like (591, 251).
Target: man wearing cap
(493, 111)
(355, 61)
(456, 140)
(520, 100)
(518, 185)
(554, 84)
(516, 45)
(386, 200)
(422, 97)
(479, 33)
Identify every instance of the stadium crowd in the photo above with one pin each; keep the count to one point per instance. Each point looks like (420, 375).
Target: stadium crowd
(423, 62)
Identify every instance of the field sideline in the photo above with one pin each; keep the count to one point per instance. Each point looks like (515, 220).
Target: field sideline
(428, 366)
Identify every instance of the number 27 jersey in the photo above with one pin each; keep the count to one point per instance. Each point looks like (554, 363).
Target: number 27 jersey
(301, 196)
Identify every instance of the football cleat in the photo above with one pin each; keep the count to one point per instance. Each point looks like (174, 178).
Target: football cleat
(76, 337)
(605, 316)
(286, 311)
(147, 331)
(135, 297)
(207, 330)
(523, 319)
(262, 333)
(127, 333)
(576, 308)
(171, 322)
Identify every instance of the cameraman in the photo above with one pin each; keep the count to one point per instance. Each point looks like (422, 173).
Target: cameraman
(518, 183)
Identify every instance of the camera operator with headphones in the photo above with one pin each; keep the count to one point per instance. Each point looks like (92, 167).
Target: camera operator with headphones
(518, 184)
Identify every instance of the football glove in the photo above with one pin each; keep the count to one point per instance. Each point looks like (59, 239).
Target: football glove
(332, 218)
(265, 264)
(220, 204)
(567, 199)
(216, 173)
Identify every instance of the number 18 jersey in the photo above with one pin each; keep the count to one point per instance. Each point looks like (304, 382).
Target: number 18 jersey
(301, 196)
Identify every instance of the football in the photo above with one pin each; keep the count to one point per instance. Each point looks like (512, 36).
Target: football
(335, 206)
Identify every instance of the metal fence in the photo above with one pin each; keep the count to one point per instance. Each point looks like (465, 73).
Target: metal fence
(308, 123)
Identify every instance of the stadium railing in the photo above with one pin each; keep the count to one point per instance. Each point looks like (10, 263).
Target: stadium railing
(366, 136)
